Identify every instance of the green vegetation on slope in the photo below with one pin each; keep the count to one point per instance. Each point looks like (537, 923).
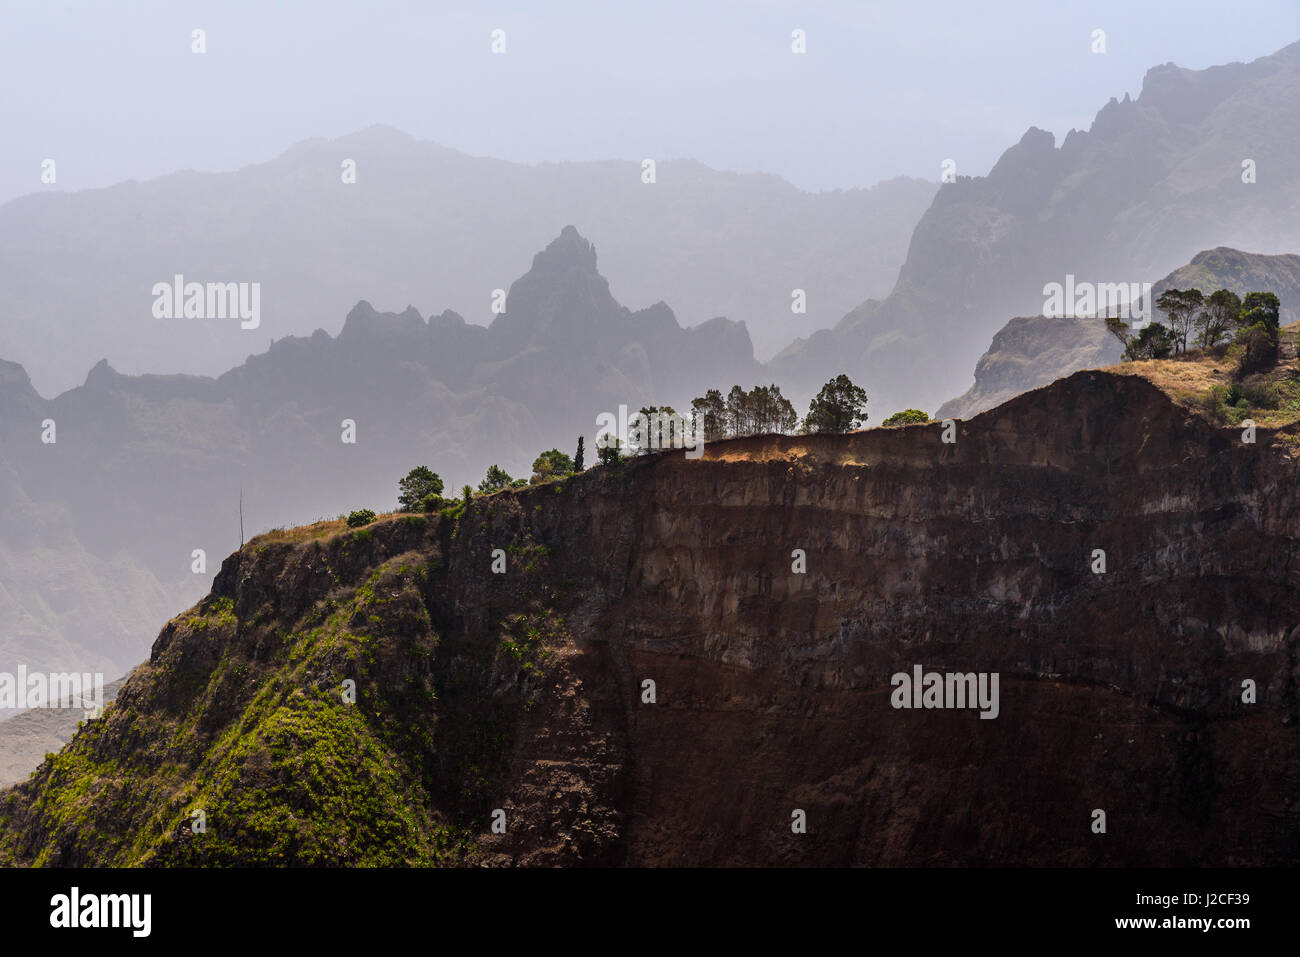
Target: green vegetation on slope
(247, 718)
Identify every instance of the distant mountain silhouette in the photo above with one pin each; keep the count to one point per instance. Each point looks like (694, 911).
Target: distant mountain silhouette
(1152, 182)
(427, 225)
(146, 469)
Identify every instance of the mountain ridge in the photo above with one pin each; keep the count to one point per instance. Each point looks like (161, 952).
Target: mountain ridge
(147, 468)
(482, 693)
(427, 225)
(1154, 180)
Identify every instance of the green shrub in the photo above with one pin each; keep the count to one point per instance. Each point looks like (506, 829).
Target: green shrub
(840, 406)
(906, 417)
(362, 516)
(609, 455)
(551, 464)
(419, 484)
(1288, 394)
(1154, 341)
(1214, 404)
(1260, 348)
(497, 478)
(1261, 393)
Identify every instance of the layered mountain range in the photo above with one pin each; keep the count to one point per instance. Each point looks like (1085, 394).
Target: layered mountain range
(101, 526)
(143, 470)
(427, 225)
(1153, 181)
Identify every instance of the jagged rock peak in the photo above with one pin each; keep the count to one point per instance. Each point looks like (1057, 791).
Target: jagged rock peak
(101, 374)
(362, 311)
(568, 251)
(364, 317)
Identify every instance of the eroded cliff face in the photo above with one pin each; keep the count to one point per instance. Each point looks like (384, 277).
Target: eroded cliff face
(525, 691)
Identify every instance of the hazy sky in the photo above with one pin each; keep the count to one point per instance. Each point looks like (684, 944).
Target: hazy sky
(112, 91)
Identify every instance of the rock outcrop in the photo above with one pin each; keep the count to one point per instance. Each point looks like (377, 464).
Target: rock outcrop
(1031, 351)
(1034, 350)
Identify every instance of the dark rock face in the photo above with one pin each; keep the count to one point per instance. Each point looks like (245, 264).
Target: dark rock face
(1120, 692)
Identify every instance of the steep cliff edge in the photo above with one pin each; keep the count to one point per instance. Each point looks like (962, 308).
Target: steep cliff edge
(524, 691)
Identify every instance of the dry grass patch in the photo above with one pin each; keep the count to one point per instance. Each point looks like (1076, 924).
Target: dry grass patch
(1209, 386)
(325, 528)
